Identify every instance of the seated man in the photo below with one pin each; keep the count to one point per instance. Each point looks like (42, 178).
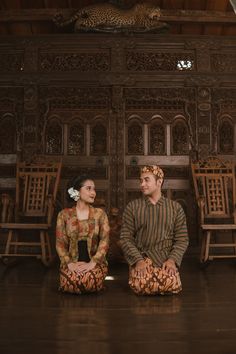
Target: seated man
(154, 238)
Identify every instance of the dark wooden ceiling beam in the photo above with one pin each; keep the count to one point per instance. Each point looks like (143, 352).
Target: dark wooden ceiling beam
(175, 16)
(197, 16)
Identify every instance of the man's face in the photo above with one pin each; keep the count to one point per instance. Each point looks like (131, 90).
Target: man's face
(149, 185)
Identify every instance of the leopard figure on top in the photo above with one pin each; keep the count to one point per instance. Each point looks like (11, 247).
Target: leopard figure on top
(110, 18)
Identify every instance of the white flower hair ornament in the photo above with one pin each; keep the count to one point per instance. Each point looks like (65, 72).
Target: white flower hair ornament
(74, 194)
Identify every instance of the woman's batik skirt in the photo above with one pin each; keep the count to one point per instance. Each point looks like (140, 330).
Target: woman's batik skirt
(89, 282)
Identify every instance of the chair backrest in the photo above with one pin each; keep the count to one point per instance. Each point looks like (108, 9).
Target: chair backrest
(214, 184)
(36, 183)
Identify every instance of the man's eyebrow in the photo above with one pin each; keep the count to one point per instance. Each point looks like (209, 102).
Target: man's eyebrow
(144, 178)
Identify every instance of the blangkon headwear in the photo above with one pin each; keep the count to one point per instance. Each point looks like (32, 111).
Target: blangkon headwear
(156, 170)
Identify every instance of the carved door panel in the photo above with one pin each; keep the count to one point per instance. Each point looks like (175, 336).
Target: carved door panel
(82, 140)
(76, 127)
(159, 133)
(157, 141)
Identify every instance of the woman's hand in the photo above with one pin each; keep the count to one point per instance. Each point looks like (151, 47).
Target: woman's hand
(73, 266)
(81, 267)
(169, 266)
(84, 267)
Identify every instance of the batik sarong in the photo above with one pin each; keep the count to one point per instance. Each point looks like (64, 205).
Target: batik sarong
(89, 282)
(156, 281)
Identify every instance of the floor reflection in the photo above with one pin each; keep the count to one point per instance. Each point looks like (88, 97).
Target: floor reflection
(36, 318)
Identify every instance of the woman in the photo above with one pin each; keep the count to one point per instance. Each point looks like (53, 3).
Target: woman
(82, 239)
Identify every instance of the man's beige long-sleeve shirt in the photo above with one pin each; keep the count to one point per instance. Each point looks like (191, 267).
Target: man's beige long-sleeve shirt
(157, 231)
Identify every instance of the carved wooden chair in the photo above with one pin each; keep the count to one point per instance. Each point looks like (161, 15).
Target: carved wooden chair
(28, 232)
(214, 184)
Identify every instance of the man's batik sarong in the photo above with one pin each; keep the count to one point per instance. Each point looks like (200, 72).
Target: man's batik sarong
(156, 281)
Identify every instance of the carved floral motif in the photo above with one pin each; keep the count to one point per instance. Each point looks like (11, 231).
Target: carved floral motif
(153, 61)
(50, 62)
(135, 142)
(157, 139)
(53, 138)
(76, 139)
(180, 141)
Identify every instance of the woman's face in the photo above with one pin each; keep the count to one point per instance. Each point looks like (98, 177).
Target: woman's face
(87, 192)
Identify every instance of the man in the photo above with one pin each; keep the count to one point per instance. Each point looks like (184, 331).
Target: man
(154, 237)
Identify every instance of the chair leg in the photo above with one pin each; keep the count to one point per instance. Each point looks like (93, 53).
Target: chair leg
(8, 244)
(203, 247)
(16, 240)
(234, 240)
(49, 249)
(208, 239)
(43, 246)
(46, 256)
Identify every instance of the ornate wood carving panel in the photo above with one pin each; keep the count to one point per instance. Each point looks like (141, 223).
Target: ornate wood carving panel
(108, 105)
(72, 61)
(204, 121)
(160, 61)
(89, 98)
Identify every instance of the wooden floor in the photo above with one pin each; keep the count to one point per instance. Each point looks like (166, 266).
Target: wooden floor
(36, 319)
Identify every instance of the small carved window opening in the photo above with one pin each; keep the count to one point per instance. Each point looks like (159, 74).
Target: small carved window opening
(179, 138)
(226, 137)
(98, 143)
(76, 139)
(7, 135)
(135, 139)
(54, 138)
(157, 138)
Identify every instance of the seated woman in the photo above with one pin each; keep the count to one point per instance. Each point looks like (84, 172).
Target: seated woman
(82, 240)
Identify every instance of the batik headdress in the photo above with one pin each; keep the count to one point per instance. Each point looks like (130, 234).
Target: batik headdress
(156, 170)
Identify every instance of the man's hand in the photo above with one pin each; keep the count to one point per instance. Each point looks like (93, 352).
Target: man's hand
(81, 267)
(140, 269)
(169, 266)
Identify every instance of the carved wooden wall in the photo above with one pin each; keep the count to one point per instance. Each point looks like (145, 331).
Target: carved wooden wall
(108, 104)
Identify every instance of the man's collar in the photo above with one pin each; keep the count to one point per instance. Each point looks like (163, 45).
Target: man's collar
(160, 201)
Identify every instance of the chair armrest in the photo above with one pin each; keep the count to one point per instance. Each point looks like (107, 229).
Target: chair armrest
(7, 207)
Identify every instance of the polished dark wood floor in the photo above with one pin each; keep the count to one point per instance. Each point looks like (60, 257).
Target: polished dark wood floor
(35, 318)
